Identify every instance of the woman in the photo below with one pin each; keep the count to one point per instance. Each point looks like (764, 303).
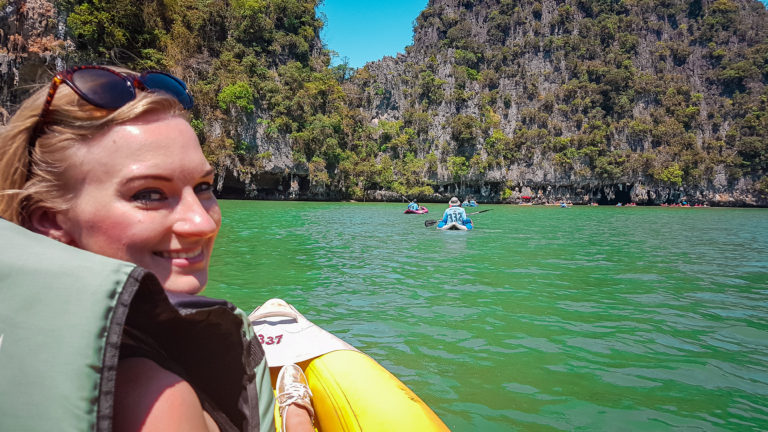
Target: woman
(106, 161)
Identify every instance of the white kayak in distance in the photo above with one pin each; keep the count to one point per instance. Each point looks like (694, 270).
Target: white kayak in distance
(350, 390)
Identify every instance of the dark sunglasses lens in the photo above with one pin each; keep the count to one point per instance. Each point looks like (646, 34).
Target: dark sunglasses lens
(103, 88)
(167, 83)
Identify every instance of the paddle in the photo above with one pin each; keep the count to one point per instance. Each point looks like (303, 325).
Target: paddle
(430, 222)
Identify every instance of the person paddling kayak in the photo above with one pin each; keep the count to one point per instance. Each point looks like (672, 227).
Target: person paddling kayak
(455, 217)
(415, 208)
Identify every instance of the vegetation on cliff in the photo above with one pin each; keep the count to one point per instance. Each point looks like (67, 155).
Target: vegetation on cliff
(495, 97)
(664, 94)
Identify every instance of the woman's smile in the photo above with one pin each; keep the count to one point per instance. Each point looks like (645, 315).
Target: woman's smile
(196, 253)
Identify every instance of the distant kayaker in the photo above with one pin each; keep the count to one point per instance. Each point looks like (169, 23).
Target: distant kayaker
(111, 165)
(455, 214)
(413, 205)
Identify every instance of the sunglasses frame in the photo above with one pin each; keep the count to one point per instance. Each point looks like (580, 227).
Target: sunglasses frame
(134, 82)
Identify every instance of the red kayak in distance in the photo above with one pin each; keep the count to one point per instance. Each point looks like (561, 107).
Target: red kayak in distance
(421, 210)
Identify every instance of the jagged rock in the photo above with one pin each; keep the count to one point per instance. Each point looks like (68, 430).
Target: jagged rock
(526, 84)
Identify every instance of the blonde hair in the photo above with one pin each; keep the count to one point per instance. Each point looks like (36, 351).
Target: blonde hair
(31, 179)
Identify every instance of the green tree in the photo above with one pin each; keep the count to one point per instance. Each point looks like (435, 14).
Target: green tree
(458, 167)
(238, 94)
(670, 174)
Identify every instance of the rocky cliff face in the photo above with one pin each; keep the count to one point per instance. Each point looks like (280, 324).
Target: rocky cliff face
(605, 79)
(32, 41)
(588, 101)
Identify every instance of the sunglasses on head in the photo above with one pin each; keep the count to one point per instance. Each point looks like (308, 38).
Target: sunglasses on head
(106, 88)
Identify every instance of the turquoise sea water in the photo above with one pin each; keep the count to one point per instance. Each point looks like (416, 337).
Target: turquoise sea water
(540, 319)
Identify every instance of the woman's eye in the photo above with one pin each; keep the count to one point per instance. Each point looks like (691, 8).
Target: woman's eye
(203, 187)
(148, 196)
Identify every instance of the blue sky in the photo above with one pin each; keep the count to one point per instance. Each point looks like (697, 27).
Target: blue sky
(366, 30)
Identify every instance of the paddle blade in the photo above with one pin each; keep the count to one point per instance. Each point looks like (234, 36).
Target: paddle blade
(430, 222)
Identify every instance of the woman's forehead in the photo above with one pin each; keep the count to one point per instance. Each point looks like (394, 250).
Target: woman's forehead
(165, 144)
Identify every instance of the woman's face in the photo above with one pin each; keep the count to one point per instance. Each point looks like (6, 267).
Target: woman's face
(143, 193)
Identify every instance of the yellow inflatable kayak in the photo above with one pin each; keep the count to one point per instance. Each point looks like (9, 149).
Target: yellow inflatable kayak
(351, 391)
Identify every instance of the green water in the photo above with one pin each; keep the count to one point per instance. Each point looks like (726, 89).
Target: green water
(542, 318)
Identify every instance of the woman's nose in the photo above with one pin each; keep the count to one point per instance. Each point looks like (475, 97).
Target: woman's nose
(196, 217)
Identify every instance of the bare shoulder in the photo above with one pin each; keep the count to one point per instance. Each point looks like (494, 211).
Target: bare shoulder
(150, 398)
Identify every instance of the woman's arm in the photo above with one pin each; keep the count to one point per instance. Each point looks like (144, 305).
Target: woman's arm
(150, 398)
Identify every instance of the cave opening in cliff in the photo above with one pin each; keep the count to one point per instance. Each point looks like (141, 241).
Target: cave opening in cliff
(230, 187)
(621, 194)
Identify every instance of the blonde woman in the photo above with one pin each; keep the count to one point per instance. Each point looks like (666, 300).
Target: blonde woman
(105, 160)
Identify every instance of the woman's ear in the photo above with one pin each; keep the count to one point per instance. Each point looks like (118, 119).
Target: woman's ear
(47, 222)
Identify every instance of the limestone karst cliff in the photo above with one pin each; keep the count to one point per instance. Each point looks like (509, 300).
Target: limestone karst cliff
(630, 100)
(608, 101)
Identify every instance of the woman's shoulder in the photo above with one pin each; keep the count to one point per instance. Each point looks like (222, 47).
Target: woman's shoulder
(149, 397)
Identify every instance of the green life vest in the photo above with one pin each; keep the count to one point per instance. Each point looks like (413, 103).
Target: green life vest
(62, 315)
